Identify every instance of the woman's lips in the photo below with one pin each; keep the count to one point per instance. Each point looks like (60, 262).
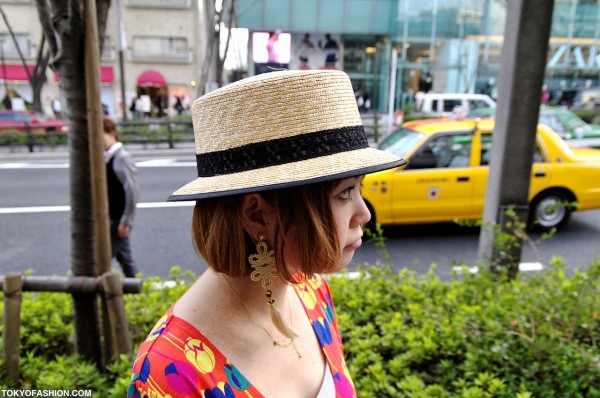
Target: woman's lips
(356, 244)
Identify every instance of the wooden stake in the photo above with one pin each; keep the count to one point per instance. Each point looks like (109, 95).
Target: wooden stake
(97, 167)
(113, 294)
(12, 323)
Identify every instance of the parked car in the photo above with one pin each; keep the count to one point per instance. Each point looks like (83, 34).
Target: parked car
(18, 120)
(446, 175)
(568, 125)
(447, 104)
(587, 98)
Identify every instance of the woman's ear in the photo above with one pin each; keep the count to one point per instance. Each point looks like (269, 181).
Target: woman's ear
(257, 215)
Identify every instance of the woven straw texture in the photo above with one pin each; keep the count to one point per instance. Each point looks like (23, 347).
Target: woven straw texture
(273, 105)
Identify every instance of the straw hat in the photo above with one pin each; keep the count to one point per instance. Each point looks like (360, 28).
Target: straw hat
(276, 130)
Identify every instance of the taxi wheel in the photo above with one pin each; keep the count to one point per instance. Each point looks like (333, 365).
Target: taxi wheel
(550, 209)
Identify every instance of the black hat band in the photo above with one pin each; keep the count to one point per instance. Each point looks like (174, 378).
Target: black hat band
(280, 151)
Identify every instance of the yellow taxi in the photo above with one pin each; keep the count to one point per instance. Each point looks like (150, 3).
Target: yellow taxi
(446, 175)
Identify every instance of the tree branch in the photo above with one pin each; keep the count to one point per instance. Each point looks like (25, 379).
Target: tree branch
(102, 7)
(44, 17)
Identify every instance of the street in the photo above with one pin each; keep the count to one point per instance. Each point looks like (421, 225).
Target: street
(34, 224)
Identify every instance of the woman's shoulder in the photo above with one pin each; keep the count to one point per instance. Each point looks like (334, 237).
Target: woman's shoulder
(177, 359)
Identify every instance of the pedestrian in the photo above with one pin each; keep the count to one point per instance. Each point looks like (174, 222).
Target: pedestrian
(273, 49)
(123, 193)
(331, 50)
(305, 48)
(178, 106)
(278, 204)
(133, 108)
(57, 108)
(545, 97)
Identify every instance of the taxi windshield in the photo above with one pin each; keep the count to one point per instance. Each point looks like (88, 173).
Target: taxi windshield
(401, 141)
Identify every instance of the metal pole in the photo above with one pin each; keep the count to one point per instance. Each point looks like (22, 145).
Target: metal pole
(122, 47)
(523, 63)
(3, 67)
(392, 102)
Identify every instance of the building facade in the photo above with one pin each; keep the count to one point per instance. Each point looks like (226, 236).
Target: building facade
(441, 45)
(160, 42)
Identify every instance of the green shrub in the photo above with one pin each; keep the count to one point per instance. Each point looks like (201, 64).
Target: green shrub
(411, 336)
(404, 335)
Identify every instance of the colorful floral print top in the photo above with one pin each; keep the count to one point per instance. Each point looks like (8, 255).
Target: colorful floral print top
(176, 360)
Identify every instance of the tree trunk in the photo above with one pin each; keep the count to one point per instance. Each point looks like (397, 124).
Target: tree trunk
(63, 24)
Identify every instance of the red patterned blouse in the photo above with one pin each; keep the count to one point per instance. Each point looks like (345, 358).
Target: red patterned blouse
(176, 360)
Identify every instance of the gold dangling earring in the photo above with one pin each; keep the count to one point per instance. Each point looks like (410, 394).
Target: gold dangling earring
(264, 270)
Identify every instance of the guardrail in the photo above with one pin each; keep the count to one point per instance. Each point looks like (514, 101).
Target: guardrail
(157, 132)
(148, 133)
(19, 134)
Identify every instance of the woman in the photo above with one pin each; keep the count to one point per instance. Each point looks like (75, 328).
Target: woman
(280, 162)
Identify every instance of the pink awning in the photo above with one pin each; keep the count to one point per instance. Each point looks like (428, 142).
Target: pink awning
(15, 72)
(107, 75)
(151, 78)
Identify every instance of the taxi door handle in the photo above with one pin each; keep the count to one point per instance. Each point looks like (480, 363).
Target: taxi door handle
(539, 173)
(462, 179)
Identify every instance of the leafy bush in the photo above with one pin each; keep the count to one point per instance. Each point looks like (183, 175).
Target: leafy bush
(404, 335)
(416, 336)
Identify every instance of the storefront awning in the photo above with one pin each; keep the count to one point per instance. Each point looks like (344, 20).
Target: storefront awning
(151, 78)
(107, 75)
(15, 72)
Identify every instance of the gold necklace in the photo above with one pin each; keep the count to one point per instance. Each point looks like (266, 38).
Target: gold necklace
(292, 341)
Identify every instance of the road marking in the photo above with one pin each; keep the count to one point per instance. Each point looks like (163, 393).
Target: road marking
(164, 163)
(523, 267)
(53, 209)
(140, 164)
(14, 166)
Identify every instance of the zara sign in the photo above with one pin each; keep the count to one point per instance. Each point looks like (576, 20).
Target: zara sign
(574, 57)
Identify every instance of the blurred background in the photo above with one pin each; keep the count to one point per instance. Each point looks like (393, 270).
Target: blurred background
(159, 55)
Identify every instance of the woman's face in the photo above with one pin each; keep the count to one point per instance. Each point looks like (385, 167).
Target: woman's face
(349, 213)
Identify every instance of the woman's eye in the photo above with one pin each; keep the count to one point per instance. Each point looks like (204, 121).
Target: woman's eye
(346, 193)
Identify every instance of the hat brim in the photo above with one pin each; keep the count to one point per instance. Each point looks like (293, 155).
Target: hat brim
(325, 168)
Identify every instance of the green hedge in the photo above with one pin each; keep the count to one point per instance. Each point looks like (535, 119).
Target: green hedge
(404, 335)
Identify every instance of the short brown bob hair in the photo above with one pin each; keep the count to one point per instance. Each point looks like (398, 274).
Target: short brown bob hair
(221, 240)
(108, 125)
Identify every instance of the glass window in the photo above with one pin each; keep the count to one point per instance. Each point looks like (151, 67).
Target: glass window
(10, 49)
(358, 18)
(332, 15)
(401, 141)
(160, 47)
(450, 104)
(444, 151)
(159, 3)
(22, 117)
(476, 104)
(486, 151)
(107, 49)
(277, 13)
(305, 12)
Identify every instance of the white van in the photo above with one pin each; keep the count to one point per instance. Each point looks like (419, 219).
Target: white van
(448, 104)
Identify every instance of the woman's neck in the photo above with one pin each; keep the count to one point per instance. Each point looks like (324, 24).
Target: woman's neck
(252, 297)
